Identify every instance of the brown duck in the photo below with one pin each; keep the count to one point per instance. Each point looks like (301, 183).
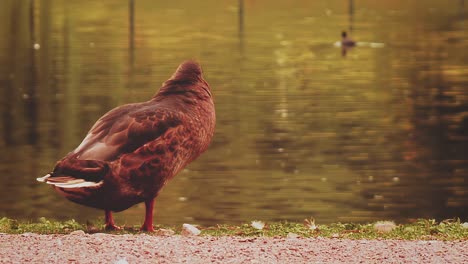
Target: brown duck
(132, 151)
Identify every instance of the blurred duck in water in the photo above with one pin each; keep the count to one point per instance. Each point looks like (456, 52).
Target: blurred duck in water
(132, 151)
(346, 43)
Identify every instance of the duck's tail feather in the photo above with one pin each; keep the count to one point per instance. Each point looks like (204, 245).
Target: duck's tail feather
(75, 173)
(78, 184)
(68, 182)
(44, 178)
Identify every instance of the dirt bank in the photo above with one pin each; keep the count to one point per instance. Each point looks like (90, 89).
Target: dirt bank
(121, 249)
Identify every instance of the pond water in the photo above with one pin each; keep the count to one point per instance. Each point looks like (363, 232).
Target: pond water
(303, 129)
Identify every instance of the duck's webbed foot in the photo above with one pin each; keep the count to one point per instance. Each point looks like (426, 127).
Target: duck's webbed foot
(147, 228)
(110, 225)
(148, 224)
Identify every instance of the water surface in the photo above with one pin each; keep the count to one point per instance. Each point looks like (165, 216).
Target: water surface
(302, 131)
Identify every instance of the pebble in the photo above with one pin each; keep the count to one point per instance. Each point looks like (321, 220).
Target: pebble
(121, 261)
(258, 225)
(190, 230)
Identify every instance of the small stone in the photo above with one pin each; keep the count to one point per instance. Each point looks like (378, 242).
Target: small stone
(190, 230)
(121, 261)
(78, 232)
(27, 234)
(465, 225)
(258, 225)
(292, 235)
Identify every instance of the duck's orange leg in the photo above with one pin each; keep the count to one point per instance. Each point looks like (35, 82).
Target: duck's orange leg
(148, 224)
(110, 225)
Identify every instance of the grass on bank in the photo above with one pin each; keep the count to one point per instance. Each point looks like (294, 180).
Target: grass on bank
(422, 229)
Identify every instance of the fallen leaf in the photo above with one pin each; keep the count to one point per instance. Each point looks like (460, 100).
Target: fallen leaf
(310, 223)
(164, 232)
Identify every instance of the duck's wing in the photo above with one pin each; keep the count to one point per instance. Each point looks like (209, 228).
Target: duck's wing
(125, 129)
(120, 131)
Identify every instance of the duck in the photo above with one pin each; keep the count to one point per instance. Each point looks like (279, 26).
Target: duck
(132, 151)
(346, 41)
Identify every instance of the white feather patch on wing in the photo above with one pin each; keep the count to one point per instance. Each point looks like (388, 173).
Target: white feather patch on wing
(70, 182)
(43, 179)
(78, 185)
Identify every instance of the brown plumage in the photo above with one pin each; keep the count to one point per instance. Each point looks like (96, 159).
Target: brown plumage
(133, 150)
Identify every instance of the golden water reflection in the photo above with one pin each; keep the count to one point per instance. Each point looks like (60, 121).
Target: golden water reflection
(301, 130)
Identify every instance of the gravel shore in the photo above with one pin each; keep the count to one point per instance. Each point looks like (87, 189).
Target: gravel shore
(120, 249)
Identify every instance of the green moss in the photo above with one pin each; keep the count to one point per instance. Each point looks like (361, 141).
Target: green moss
(422, 229)
(43, 226)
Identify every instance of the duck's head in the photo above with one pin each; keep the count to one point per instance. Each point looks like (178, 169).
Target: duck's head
(188, 71)
(344, 34)
(187, 77)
